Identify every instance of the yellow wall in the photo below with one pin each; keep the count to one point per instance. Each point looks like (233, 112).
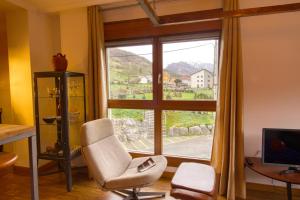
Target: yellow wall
(33, 38)
(4, 72)
(4, 77)
(20, 76)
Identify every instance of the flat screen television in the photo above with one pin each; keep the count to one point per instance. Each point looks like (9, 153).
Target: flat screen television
(281, 147)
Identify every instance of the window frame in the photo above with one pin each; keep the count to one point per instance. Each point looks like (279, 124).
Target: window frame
(158, 104)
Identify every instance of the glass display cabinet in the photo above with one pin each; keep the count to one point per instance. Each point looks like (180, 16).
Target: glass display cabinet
(60, 110)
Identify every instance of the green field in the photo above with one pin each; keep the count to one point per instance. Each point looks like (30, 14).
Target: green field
(187, 118)
(137, 115)
(170, 118)
(144, 92)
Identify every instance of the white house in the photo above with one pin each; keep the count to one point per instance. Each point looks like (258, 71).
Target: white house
(186, 80)
(143, 80)
(146, 79)
(202, 79)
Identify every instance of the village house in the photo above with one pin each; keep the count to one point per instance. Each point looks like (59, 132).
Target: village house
(146, 79)
(202, 79)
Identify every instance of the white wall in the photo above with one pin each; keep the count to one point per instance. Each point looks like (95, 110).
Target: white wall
(74, 38)
(271, 46)
(44, 33)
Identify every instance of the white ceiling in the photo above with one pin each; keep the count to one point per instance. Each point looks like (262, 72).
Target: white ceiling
(59, 5)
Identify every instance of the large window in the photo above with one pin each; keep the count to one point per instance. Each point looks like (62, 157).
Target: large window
(130, 72)
(162, 95)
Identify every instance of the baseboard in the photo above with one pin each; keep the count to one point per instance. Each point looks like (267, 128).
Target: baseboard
(271, 188)
(20, 170)
(6, 171)
(167, 175)
(169, 172)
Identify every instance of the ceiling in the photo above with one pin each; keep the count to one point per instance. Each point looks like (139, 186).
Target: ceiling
(5, 6)
(59, 5)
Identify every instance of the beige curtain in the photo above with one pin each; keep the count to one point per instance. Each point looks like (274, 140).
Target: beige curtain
(97, 92)
(228, 148)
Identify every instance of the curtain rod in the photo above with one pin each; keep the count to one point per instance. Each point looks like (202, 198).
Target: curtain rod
(208, 15)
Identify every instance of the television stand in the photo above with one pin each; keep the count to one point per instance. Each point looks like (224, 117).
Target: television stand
(274, 172)
(290, 170)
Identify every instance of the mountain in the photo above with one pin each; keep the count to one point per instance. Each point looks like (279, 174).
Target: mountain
(180, 68)
(186, 69)
(127, 66)
(207, 66)
(124, 64)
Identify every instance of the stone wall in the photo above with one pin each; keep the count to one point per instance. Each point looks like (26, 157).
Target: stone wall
(128, 130)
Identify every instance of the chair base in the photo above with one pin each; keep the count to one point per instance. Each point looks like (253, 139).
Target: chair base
(135, 194)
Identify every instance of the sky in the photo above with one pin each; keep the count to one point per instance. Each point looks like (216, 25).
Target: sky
(191, 52)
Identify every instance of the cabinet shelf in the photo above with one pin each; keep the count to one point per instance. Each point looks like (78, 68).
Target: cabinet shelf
(46, 156)
(45, 97)
(55, 124)
(60, 108)
(44, 124)
(54, 98)
(76, 96)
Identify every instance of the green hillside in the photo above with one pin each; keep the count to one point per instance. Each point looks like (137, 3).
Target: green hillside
(126, 66)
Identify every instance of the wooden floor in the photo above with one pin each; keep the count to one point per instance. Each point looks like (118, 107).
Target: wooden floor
(52, 187)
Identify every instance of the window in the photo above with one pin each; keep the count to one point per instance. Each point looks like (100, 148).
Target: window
(194, 131)
(134, 128)
(155, 100)
(130, 74)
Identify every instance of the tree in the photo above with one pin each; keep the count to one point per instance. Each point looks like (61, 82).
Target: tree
(177, 81)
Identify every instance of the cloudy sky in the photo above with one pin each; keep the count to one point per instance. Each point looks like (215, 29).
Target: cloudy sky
(191, 52)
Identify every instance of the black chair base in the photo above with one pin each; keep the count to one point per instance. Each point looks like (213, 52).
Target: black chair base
(135, 194)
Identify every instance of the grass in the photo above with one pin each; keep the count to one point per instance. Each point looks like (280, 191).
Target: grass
(137, 115)
(170, 118)
(144, 92)
(187, 118)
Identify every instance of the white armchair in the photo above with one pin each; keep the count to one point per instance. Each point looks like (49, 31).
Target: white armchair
(112, 166)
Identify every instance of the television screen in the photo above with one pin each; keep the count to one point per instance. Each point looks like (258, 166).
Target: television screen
(281, 146)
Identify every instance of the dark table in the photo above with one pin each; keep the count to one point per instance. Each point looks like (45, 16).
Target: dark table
(273, 172)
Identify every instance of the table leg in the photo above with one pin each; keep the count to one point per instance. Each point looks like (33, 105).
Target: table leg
(68, 171)
(33, 168)
(289, 190)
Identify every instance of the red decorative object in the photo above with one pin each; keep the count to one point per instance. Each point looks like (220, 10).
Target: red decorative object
(60, 62)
